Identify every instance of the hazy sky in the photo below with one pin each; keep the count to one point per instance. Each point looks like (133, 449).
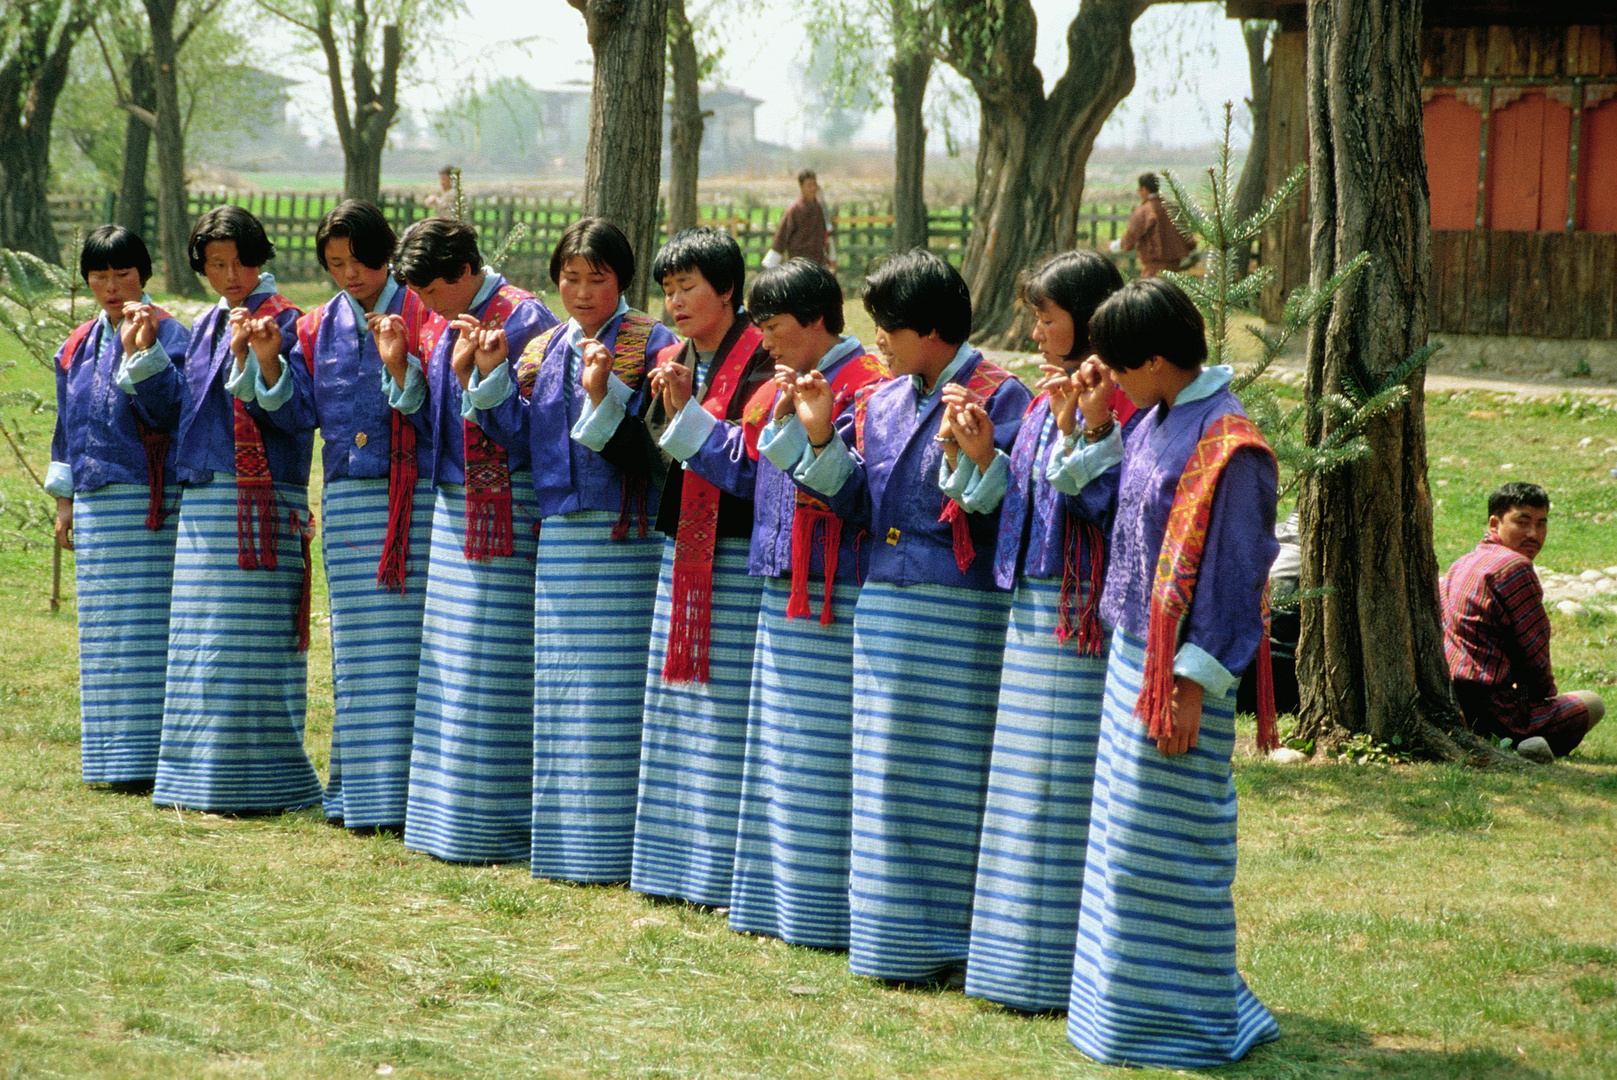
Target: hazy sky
(1189, 59)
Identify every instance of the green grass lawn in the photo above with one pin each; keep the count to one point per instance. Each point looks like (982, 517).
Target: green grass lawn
(1411, 921)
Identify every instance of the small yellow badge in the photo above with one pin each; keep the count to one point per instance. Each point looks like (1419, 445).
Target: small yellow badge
(360, 439)
(892, 536)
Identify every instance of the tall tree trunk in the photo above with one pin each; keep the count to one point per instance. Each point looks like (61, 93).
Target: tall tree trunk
(375, 109)
(131, 208)
(1371, 654)
(33, 70)
(173, 224)
(909, 70)
(1249, 192)
(1032, 150)
(623, 163)
(685, 124)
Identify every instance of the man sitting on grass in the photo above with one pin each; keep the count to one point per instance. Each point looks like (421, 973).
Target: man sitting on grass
(1496, 634)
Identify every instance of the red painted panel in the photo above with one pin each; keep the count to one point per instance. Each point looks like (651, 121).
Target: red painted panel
(1453, 134)
(1515, 157)
(1553, 166)
(1597, 169)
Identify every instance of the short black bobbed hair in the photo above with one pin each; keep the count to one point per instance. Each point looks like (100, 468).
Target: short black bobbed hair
(711, 252)
(436, 248)
(1149, 181)
(370, 238)
(919, 291)
(448, 170)
(1076, 282)
(805, 175)
(1514, 494)
(598, 242)
(231, 223)
(1146, 318)
(797, 287)
(113, 247)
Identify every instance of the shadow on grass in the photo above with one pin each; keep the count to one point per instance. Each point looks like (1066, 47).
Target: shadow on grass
(1318, 1048)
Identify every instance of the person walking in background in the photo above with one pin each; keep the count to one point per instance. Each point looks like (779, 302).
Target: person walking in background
(119, 391)
(805, 229)
(1151, 229)
(442, 201)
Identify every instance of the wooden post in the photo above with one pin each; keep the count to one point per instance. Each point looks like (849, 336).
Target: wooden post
(1572, 156)
(1482, 154)
(56, 575)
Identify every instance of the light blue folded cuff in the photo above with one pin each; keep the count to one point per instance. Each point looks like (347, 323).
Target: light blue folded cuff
(138, 367)
(243, 384)
(783, 443)
(953, 482)
(986, 490)
(827, 472)
(412, 395)
(1074, 463)
(690, 429)
(598, 423)
(485, 391)
(59, 480)
(1198, 665)
(271, 398)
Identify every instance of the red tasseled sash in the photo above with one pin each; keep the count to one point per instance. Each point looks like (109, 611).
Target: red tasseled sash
(810, 515)
(690, 621)
(402, 469)
(1178, 567)
(984, 380)
(1086, 627)
(489, 530)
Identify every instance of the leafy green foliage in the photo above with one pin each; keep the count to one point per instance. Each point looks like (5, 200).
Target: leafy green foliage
(1221, 293)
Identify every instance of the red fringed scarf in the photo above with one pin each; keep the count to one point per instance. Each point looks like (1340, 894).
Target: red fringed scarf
(489, 530)
(1086, 627)
(810, 515)
(985, 379)
(402, 469)
(1178, 567)
(691, 616)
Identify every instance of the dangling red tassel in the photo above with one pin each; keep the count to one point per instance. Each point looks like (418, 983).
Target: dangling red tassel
(305, 536)
(690, 627)
(255, 496)
(1065, 628)
(633, 494)
(830, 544)
(1155, 704)
(964, 551)
(797, 604)
(1091, 634)
(156, 443)
(488, 525)
(1268, 732)
(394, 564)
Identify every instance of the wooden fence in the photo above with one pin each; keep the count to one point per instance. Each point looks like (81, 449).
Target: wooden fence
(863, 230)
(1535, 284)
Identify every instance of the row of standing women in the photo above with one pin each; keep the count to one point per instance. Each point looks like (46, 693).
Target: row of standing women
(754, 619)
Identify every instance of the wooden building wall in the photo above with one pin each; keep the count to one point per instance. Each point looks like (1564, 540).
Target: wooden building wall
(1285, 241)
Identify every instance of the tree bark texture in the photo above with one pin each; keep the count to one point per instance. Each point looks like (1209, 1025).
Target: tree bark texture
(1371, 656)
(362, 132)
(173, 226)
(131, 206)
(1032, 149)
(622, 165)
(33, 70)
(1285, 239)
(910, 69)
(1250, 191)
(684, 124)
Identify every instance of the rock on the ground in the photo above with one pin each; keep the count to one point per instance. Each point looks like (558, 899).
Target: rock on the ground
(1285, 755)
(1571, 607)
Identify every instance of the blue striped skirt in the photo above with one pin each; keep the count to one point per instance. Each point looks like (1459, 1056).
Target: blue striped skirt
(1030, 864)
(592, 602)
(694, 741)
(1154, 981)
(375, 646)
(236, 690)
(124, 572)
(471, 767)
(791, 862)
(926, 662)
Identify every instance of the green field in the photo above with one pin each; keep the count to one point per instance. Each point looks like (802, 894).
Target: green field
(1405, 921)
